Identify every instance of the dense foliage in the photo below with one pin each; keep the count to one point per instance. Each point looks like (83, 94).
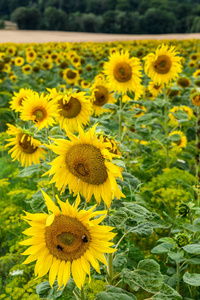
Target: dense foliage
(109, 16)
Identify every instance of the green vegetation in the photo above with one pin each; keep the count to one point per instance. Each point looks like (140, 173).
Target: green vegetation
(109, 16)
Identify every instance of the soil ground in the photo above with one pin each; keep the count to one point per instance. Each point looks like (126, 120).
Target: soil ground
(32, 36)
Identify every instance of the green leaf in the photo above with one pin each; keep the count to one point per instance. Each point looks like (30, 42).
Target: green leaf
(145, 120)
(115, 293)
(162, 248)
(167, 293)
(132, 180)
(193, 248)
(192, 279)
(142, 229)
(33, 169)
(139, 212)
(175, 137)
(195, 227)
(119, 261)
(166, 239)
(147, 276)
(119, 218)
(177, 256)
(194, 261)
(45, 291)
(111, 106)
(37, 202)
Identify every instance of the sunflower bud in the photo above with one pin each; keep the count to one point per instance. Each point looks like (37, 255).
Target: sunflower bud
(183, 209)
(182, 239)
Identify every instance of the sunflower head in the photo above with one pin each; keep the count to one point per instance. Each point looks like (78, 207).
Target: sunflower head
(67, 241)
(195, 97)
(85, 166)
(39, 109)
(164, 65)
(71, 76)
(183, 82)
(18, 98)
(123, 73)
(179, 140)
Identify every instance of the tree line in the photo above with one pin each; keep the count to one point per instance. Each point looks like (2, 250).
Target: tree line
(107, 16)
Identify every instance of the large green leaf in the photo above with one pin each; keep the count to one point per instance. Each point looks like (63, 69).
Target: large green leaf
(33, 169)
(162, 248)
(193, 248)
(167, 293)
(45, 291)
(115, 293)
(192, 279)
(147, 276)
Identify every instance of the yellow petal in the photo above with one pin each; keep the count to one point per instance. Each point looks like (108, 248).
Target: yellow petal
(50, 204)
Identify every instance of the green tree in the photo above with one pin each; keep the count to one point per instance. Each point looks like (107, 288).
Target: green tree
(55, 19)
(196, 25)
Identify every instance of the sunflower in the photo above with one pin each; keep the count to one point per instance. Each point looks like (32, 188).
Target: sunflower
(19, 61)
(13, 78)
(181, 142)
(73, 108)
(16, 102)
(139, 110)
(183, 82)
(39, 109)
(194, 56)
(31, 55)
(164, 65)
(195, 97)
(27, 69)
(67, 241)
(71, 76)
(196, 74)
(100, 95)
(26, 149)
(172, 111)
(155, 89)
(84, 165)
(123, 72)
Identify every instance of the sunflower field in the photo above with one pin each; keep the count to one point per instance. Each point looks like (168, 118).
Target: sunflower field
(99, 170)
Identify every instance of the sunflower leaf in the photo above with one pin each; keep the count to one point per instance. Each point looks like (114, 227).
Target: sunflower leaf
(113, 292)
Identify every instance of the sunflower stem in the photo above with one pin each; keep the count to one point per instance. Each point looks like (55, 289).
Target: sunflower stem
(166, 128)
(77, 295)
(197, 151)
(82, 293)
(50, 159)
(120, 118)
(110, 268)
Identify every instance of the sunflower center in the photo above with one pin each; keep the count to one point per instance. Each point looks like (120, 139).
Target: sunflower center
(25, 144)
(71, 74)
(70, 109)
(67, 238)
(86, 162)
(39, 114)
(101, 95)
(162, 64)
(122, 72)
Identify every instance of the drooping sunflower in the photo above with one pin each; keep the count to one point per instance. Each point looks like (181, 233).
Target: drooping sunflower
(26, 149)
(84, 165)
(100, 95)
(181, 142)
(183, 82)
(123, 73)
(39, 109)
(16, 102)
(164, 65)
(67, 242)
(195, 97)
(74, 109)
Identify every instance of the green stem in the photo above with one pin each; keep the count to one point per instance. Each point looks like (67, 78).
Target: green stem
(120, 118)
(110, 268)
(50, 159)
(82, 293)
(178, 275)
(77, 295)
(166, 128)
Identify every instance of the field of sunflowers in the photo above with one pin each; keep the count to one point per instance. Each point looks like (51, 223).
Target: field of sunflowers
(99, 170)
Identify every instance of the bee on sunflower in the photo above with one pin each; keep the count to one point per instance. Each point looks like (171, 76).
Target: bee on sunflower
(67, 241)
(40, 110)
